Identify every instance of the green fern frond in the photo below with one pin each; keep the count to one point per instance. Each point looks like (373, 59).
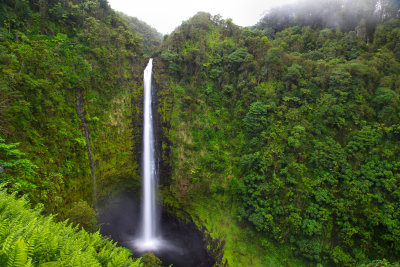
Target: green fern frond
(30, 239)
(9, 241)
(19, 256)
(3, 228)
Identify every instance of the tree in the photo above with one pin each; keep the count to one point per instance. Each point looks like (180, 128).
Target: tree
(293, 74)
(274, 63)
(255, 120)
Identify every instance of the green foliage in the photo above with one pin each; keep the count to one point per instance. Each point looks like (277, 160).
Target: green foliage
(347, 15)
(15, 169)
(151, 38)
(64, 65)
(292, 127)
(237, 57)
(294, 74)
(379, 263)
(255, 120)
(83, 215)
(383, 97)
(30, 239)
(295, 133)
(149, 260)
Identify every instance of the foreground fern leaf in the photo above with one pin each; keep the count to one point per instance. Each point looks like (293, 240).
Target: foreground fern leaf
(28, 238)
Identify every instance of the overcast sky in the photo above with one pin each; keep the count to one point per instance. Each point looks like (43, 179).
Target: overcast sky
(166, 15)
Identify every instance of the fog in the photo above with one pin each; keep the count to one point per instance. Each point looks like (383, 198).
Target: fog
(165, 16)
(344, 14)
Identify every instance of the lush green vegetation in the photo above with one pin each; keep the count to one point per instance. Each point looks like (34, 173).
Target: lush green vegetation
(294, 133)
(151, 37)
(67, 68)
(281, 141)
(347, 15)
(70, 84)
(30, 239)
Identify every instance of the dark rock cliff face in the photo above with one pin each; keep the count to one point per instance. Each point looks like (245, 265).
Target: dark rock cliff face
(137, 122)
(115, 128)
(185, 246)
(162, 108)
(188, 245)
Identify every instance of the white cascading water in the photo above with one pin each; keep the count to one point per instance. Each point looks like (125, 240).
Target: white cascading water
(148, 240)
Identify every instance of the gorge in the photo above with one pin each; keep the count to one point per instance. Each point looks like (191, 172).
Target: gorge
(137, 224)
(275, 144)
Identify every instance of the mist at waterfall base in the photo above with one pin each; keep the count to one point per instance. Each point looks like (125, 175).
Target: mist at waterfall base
(121, 219)
(141, 229)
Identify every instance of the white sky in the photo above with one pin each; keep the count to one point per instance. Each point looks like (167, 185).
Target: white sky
(166, 15)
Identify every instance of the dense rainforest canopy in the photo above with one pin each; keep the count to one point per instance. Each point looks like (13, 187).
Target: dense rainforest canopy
(292, 125)
(70, 68)
(280, 141)
(70, 81)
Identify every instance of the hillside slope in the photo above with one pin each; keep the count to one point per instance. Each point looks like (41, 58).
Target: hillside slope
(151, 37)
(71, 90)
(285, 148)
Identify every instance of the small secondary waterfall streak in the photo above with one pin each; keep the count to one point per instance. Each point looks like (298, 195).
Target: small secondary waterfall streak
(149, 167)
(82, 116)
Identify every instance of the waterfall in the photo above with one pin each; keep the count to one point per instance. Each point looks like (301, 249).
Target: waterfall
(149, 171)
(148, 239)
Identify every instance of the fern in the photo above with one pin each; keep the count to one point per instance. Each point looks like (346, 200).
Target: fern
(30, 239)
(3, 228)
(9, 242)
(19, 256)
